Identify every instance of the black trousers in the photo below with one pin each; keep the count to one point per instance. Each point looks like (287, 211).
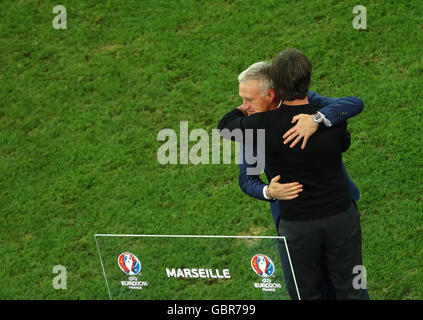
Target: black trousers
(328, 247)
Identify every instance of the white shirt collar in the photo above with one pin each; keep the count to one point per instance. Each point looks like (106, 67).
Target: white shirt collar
(280, 103)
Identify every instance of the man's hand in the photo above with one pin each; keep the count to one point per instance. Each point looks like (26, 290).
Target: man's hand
(284, 191)
(243, 109)
(304, 128)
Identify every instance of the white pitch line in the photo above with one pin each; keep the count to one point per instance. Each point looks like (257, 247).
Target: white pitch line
(185, 236)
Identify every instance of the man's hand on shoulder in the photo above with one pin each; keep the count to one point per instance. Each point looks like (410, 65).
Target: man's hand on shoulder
(304, 128)
(284, 191)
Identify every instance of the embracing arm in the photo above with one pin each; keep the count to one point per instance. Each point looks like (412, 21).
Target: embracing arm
(231, 120)
(236, 119)
(335, 110)
(253, 186)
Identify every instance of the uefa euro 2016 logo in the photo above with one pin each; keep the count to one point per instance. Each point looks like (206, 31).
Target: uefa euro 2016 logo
(262, 265)
(129, 263)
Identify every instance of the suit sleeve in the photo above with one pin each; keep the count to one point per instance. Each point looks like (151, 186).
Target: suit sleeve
(251, 185)
(235, 121)
(337, 110)
(228, 125)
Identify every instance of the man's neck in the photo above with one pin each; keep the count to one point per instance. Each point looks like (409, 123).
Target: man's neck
(296, 102)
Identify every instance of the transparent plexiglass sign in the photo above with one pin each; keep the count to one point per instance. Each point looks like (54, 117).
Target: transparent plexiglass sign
(182, 267)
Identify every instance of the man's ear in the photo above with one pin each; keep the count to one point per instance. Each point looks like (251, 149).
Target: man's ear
(271, 95)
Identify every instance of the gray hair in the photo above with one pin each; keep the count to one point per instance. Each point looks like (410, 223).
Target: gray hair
(258, 71)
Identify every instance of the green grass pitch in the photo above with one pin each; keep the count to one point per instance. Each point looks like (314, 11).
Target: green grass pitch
(81, 109)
